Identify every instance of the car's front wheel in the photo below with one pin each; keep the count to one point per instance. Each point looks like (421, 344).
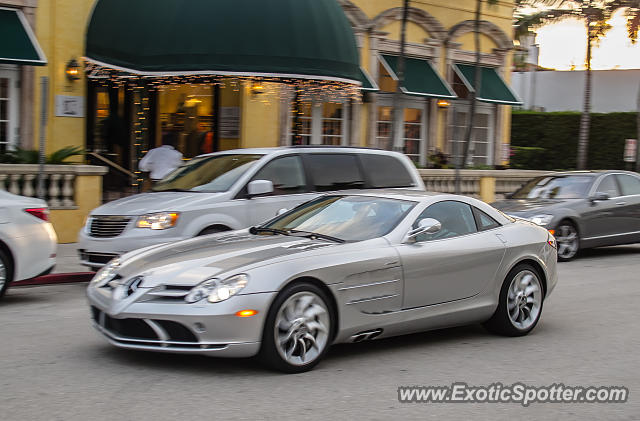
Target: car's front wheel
(520, 304)
(298, 329)
(568, 241)
(6, 273)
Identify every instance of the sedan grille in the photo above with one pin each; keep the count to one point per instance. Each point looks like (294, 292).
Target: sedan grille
(108, 226)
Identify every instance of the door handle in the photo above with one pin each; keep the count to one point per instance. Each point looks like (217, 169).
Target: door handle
(621, 203)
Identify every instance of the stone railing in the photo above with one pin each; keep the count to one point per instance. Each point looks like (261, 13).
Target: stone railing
(59, 181)
(71, 192)
(488, 185)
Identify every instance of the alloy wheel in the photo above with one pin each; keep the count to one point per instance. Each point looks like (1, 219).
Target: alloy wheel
(524, 299)
(3, 275)
(302, 328)
(568, 241)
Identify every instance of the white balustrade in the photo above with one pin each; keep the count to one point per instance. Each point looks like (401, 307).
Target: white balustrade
(59, 181)
(506, 181)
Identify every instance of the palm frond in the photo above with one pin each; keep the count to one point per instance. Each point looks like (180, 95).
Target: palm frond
(59, 156)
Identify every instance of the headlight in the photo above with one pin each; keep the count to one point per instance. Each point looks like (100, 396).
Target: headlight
(87, 224)
(217, 290)
(158, 221)
(107, 273)
(541, 219)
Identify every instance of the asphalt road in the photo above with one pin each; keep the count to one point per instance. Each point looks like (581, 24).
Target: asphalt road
(53, 366)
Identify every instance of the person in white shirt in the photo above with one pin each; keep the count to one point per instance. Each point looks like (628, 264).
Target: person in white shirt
(160, 161)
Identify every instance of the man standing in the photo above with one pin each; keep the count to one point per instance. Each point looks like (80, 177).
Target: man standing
(160, 161)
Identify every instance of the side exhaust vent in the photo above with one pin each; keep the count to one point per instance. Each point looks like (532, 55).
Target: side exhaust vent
(366, 336)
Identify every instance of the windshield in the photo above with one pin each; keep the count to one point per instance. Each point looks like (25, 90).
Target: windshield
(211, 174)
(348, 218)
(556, 187)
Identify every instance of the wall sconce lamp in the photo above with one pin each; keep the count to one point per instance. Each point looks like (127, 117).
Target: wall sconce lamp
(257, 88)
(72, 70)
(443, 103)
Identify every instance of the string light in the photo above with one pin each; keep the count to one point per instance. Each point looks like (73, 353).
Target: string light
(294, 91)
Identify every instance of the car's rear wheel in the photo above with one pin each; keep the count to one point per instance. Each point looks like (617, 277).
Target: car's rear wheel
(298, 329)
(568, 240)
(6, 273)
(520, 304)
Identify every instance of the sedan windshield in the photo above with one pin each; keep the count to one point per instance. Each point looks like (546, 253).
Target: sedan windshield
(347, 218)
(211, 174)
(556, 187)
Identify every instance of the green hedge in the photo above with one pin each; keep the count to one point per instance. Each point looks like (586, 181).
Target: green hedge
(549, 141)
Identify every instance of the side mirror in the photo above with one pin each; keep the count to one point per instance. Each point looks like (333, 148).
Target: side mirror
(425, 226)
(281, 211)
(259, 187)
(599, 197)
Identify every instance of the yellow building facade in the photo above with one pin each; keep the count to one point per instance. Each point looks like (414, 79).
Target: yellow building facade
(82, 112)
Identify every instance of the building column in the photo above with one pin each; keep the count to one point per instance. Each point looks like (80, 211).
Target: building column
(27, 91)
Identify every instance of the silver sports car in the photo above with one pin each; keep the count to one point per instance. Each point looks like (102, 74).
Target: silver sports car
(340, 268)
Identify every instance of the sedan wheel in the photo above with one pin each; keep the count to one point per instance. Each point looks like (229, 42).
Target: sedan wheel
(568, 241)
(298, 329)
(6, 273)
(520, 303)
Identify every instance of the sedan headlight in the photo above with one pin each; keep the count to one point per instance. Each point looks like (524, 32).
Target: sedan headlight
(158, 221)
(107, 273)
(86, 227)
(217, 290)
(541, 219)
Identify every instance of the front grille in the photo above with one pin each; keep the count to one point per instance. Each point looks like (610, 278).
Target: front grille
(108, 226)
(139, 329)
(99, 258)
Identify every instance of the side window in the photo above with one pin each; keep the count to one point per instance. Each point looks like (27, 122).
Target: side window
(286, 174)
(335, 172)
(608, 185)
(385, 171)
(484, 221)
(456, 219)
(629, 184)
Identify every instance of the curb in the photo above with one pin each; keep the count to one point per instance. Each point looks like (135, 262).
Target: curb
(56, 278)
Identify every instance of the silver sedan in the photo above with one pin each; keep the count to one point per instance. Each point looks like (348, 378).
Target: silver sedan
(341, 268)
(582, 209)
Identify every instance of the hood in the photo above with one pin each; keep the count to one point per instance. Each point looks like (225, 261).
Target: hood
(530, 207)
(190, 262)
(143, 203)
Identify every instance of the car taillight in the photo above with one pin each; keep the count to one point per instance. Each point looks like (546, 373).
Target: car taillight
(40, 213)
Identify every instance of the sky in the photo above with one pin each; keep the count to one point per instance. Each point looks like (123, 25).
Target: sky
(563, 46)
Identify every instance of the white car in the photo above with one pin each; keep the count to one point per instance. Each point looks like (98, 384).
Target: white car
(235, 189)
(28, 241)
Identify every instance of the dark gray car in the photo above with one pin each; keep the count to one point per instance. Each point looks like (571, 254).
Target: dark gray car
(582, 209)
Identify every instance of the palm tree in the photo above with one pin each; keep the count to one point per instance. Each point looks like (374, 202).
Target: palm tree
(595, 14)
(473, 95)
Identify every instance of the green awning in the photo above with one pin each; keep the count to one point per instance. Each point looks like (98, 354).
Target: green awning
(368, 84)
(420, 78)
(309, 39)
(18, 44)
(492, 87)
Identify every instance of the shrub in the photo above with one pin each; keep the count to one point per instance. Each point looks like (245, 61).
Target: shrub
(549, 141)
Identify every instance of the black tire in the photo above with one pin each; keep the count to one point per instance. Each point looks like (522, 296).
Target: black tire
(269, 353)
(501, 322)
(564, 228)
(5, 262)
(212, 230)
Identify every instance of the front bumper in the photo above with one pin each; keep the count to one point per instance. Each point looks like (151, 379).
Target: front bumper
(97, 252)
(178, 327)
